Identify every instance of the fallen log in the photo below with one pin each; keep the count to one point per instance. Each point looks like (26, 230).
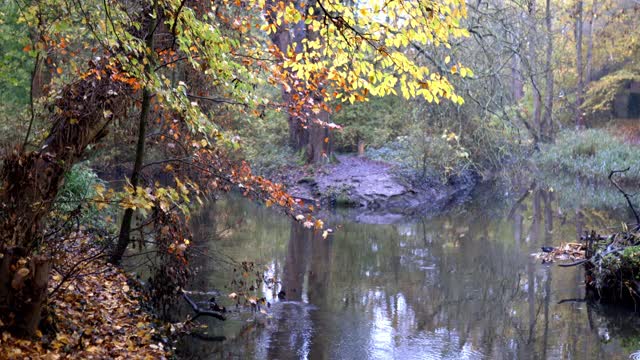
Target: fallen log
(200, 311)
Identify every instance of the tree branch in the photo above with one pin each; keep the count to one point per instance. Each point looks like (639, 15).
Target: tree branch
(624, 193)
(201, 312)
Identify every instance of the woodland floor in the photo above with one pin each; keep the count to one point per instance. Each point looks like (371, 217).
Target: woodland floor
(97, 314)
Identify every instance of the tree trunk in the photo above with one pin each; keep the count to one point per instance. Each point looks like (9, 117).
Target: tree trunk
(517, 90)
(548, 117)
(23, 289)
(31, 181)
(298, 133)
(318, 149)
(535, 91)
(579, 69)
(592, 16)
(282, 39)
(361, 145)
(516, 79)
(124, 237)
(304, 133)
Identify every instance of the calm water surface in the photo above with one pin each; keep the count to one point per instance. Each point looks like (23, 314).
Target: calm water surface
(460, 285)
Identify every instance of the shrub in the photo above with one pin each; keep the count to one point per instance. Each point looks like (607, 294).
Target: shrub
(419, 156)
(77, 193)
(264, 144)
(590, 154)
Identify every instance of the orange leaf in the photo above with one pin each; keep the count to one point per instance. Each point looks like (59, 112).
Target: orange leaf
(59, 70)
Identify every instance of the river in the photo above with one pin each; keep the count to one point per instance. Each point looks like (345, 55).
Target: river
(456, 285)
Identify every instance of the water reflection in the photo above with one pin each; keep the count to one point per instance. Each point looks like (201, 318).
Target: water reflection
(455, 286)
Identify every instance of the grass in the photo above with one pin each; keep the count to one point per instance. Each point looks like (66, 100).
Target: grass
(591, 154)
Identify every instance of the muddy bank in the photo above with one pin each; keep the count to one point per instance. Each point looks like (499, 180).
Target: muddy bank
(373, 188)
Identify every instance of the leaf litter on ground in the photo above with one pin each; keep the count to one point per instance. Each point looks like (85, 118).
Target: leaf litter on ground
(97, 314)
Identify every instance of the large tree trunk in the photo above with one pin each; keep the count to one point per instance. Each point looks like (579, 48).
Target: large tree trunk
(579, 69)
(304, 131)
(319, 147)
(548, 117)
(23, 288)
(31, 181)
(282, 39)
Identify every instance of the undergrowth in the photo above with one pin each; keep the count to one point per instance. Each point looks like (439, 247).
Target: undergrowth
(590, 154)
(76, 197)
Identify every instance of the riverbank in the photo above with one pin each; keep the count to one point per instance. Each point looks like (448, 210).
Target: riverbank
(373, 187)
(94, 311)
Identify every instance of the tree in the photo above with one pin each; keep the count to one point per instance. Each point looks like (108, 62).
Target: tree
(348, 52)
(124, 238)
(547, 128)
(532, 61)
(579, 66)
(126, 57)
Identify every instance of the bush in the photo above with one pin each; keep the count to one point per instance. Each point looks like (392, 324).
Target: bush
(494, 142)
(374, 122)
(419, 156)
(77, 193)
(264, 143)
(590, 154)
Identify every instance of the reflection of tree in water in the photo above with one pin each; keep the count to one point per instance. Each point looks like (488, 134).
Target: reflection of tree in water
(450, 285)
(457, 274)
(308, 258)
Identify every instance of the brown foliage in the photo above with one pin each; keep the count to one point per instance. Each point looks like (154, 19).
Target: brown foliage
(97, 314)
(31, 180)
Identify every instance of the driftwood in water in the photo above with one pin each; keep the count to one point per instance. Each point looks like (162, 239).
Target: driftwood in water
(611, 268)
(200, 311)
(612, 262)
(626, 196)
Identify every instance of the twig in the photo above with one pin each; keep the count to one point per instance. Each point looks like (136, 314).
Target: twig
(624, 193)
(216, 100)
(594, 258)
(571, 300)
(204, 337)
